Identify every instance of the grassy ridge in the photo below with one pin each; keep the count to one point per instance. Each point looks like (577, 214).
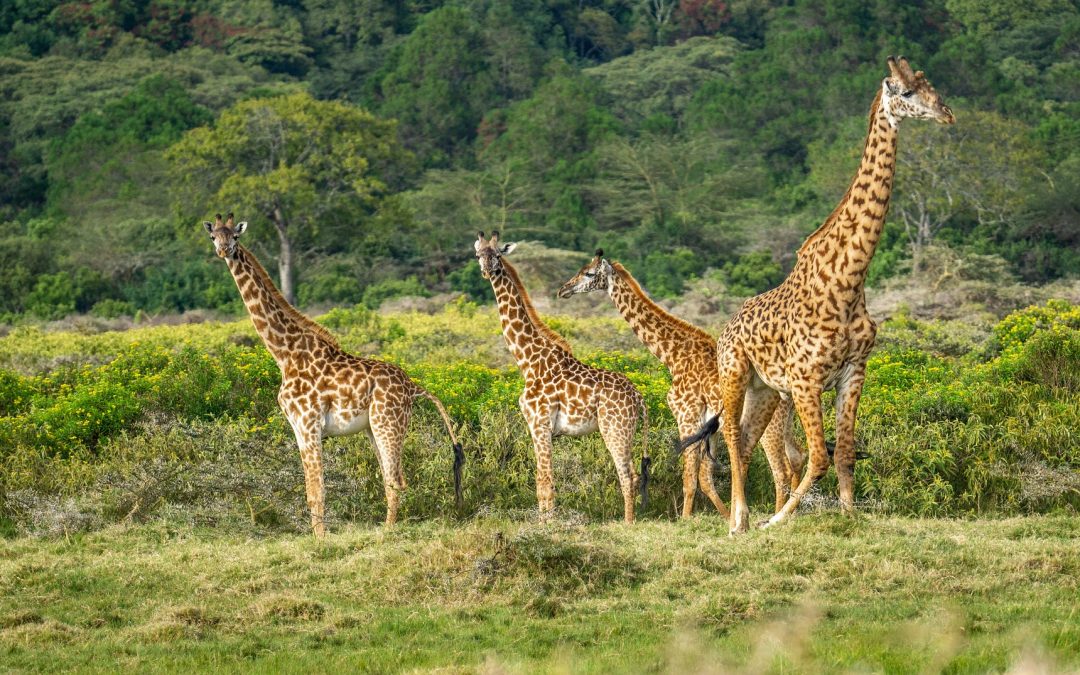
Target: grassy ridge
(826, 593)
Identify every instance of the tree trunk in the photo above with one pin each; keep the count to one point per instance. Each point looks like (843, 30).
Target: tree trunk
(284, 256)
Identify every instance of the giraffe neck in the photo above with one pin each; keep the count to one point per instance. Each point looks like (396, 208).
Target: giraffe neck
(528, 342)
(277, 322)
(665, 335)
(839, 252)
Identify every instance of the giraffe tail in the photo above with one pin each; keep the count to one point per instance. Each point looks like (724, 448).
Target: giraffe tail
(459, 453)
(646, 461)
(830, 447)
(704, 434)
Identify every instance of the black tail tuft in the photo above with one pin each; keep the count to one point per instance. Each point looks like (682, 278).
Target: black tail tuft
(830, 447)
(459, 461)
(710, 427)
(646, 462)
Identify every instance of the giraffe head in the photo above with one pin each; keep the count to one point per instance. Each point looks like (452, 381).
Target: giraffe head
(225, 235)
(595, 276)
(906, 93)
(490, 253)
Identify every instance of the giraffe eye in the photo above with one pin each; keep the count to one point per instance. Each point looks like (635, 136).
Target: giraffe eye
(908, 93)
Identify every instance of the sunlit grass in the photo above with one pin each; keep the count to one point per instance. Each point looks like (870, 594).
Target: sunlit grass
(826, 593)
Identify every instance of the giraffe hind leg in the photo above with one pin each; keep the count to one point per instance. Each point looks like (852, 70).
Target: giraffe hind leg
(388, 425)
(808, 405)
(617, 429)
(707, 482)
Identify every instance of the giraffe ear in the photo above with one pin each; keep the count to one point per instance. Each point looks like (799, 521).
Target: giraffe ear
(240, 227)
(209, 226)
(509, 248)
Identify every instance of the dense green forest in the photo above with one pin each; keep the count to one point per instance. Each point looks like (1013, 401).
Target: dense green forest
(367, 140)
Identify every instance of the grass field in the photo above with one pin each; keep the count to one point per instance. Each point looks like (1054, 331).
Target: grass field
(502, 593)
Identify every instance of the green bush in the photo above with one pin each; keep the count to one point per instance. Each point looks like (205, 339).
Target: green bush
(375, 294)
(946, 435)
(110, 308)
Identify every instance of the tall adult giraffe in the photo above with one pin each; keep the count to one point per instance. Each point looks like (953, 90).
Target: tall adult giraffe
(326, 391)
(689, 353)
(562, 395)
(813, 333)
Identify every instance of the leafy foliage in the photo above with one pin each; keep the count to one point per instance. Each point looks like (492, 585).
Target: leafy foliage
(649, 128)
(947, 435)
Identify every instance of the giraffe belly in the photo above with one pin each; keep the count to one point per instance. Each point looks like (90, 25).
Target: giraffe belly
(573, 425)
(774, 378)
(345, 422)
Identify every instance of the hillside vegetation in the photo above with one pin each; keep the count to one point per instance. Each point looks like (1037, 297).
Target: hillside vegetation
(697, 141)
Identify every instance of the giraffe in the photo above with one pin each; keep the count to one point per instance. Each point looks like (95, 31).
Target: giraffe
(689, 353)
(324, 390)
(813, 333)
(562, 395)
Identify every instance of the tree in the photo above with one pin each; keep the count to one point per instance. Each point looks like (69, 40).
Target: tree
(437, 84)
(308, 166)
(986, 168)
(979, 173)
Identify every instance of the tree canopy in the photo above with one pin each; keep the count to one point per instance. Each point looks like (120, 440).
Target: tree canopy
(364, 139)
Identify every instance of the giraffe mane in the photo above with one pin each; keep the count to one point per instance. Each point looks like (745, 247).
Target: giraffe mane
(263, 278)
(530, 311)
(636, 288)
(819, 233)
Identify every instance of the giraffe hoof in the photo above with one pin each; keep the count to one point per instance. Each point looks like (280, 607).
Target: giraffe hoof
(762, 524)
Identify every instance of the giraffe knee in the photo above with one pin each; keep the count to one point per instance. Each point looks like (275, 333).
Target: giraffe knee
(818, 468)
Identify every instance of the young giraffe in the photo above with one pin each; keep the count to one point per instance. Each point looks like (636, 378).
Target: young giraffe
(813, 333)
(562, 395)
(324, 390)
(689, 353)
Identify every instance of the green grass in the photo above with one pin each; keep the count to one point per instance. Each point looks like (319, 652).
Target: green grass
(492, 594)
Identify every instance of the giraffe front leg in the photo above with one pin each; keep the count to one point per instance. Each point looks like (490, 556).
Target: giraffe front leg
(538, 419)
(807, 398)
(847, 404)
(773, 442)
(309, 439)
(688, 421)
